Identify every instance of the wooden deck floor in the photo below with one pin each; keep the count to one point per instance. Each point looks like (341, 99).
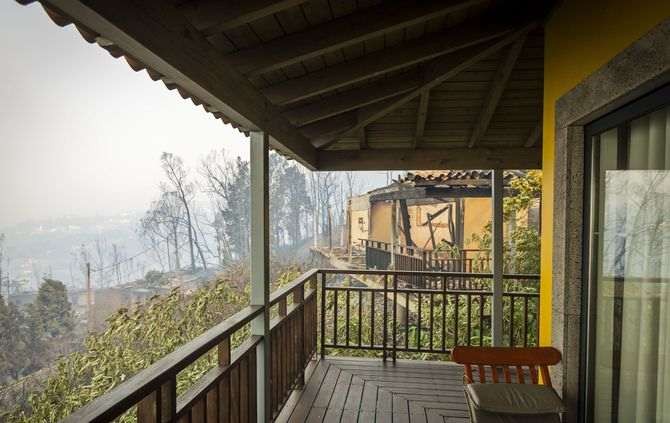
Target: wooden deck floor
(365, 390)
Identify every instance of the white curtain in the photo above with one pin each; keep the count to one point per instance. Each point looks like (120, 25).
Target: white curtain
(635, 246)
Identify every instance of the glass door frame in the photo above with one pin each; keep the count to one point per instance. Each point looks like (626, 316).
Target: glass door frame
(620, 119)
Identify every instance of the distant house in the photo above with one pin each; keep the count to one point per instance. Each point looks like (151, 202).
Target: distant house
(432, 207)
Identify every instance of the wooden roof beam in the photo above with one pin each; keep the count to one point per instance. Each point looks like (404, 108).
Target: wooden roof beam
(421, 116)
(353, 99)
(215, 16)
(464, 35)
(534, 136)
(438, 71)
(157, 34)
(363, 139)
(341, 32)
(428, 159)
(496, 91)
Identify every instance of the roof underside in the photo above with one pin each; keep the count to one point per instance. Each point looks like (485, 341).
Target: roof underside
(345, 84)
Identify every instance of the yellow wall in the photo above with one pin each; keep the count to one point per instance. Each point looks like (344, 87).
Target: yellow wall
(359, 226)
(380, 222)
(477, 213)
(580, 37)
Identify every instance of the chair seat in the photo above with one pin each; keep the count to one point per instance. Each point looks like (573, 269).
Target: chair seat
(512, 398)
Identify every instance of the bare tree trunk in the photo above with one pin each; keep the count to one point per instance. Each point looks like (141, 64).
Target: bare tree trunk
(175, 238)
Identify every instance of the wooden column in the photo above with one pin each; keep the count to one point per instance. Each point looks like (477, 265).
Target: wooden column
(497, 250)
(260, 266)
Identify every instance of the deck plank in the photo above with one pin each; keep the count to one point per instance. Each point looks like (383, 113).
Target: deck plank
(366, 390)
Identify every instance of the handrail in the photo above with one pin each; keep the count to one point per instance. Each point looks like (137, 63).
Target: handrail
(426, 273)
(293, 334)
(431, 318)
(146, 388)
(115, 402)
(282, 292)
(368, 243)
(429, 291)
(200, 388)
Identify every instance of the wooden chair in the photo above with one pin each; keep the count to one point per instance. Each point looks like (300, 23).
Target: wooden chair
(502, 357)
(520, 398)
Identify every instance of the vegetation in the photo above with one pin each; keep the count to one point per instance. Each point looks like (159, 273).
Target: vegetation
(521, 250)
(29, 339)
(134, 338)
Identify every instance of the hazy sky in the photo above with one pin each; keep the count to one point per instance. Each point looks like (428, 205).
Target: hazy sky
(80, 132)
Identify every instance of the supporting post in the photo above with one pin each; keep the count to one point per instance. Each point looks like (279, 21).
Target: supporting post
(497, 249)
(394, 233)
(260, 267)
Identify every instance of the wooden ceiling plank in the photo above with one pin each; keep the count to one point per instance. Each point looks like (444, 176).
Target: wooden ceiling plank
(157, 34)
(438, 71)
(341, 32)
(534, 136)
(416, 51)
(352, 99)
(496, 91)
(213, 17)
(421, 115)
(428, 159)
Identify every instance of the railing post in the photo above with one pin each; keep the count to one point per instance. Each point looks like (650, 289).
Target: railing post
(160, 406)
(299, 301)
(395, 317)
(497, 247)
(323, 315)
(260, 267)
(385, 320)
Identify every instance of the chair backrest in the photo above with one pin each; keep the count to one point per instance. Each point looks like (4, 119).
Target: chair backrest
(506, 358)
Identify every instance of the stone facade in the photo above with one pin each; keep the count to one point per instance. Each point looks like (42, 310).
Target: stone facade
(637, 70)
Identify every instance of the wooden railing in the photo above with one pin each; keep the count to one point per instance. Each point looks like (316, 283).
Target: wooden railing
(385, 315)
(378, 256)
(228, 391)
(389, 316)
(292, 336)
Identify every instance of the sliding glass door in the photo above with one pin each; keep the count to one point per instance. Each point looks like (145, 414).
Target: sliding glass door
(628, 331)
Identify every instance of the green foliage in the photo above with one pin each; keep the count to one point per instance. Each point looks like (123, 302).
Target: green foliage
(449, 322)
(14, 345)
(522, 250)
(526, 189)
(133, 340)
(51, 312)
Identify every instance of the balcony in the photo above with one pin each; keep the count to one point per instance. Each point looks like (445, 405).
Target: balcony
(320, 324)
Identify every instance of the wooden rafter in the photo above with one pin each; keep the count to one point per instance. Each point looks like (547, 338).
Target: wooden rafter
(215, 16)
(421, 115)
(328, 127)
(324, 132)
(426, 159)
(496, 91)
(353, 99)
(167, 43)
(363, 139)
(438, 71)
(534, 136)
(341, 32)
(425, 48)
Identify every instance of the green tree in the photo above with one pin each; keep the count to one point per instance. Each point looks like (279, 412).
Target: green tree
(15, 355)
(51, 312)
(522, 249)
(135, 338)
